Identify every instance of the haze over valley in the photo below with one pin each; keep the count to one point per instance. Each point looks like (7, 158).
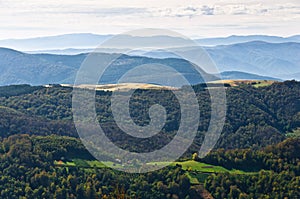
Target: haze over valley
(51, 61)
(137, 99)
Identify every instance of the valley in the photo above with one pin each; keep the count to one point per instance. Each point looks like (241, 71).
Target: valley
(39, 138)
(139, 99)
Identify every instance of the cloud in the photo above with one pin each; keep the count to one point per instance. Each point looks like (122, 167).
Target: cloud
(191, 17)
(239, 10)
(193, 11)
(103, 12)
(188, 11)
(206, 10)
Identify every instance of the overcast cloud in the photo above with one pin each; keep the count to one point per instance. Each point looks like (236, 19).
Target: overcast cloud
(196, 18)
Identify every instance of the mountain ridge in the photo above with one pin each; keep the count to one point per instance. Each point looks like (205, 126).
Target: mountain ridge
(270, 60)
(238, 75)
(233, 39)
(90, 40)
(40, 69)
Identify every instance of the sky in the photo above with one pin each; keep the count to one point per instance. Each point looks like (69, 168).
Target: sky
(193, 18)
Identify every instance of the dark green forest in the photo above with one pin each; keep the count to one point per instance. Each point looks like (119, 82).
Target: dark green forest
(27, 171)
(256, 117)
(260, 137)
(278, 169)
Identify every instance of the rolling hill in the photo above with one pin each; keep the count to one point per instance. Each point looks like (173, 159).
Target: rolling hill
(278, 60)
(38, 69)
(259, 58)
(88, 40)
(255, 116)
(271, 61)
(81, 40)
(237, 75)
(19, 68)
(234, 39)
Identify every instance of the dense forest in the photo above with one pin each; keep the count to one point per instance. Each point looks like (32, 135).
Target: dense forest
(28, 171)
(278, 169)
(260, 139)
(256, 117)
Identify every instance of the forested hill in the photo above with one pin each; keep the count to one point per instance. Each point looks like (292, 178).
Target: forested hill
(22, 68)
(278, 176)
(256, 117)
(29, 169)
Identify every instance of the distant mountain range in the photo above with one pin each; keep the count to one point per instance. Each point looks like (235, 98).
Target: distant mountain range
(237, 75)
(18, 68)
(242, 39)
(82, 40)
(38, 69)
(280, 60)
(87, 40)
(270, 58)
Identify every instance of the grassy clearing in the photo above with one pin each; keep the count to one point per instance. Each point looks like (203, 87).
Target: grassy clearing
(112, 165)
(81, 163)
(160, 164)
(295, 133)
(87, 164)
(122, 86)
(191, 166)
(66, 164)
(202, 167)
(262, 83)
(95, 163)
(255, 83)
(197, 172)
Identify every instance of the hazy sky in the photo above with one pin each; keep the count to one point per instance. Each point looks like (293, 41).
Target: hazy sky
(195, 18)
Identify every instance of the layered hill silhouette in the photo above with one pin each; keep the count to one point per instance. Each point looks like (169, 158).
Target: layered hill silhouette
(88, 40)
(38, 69)
(271, 61)
(279, 60)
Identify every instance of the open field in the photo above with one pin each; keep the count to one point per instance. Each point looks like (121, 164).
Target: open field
(133, 86)
(197, 172)
(190, 165)
(122, 87)
(234, 83)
